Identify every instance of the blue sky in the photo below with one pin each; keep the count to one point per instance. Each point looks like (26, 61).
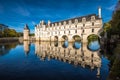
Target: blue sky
(16, 13)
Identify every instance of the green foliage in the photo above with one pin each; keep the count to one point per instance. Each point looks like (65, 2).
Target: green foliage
(113, 27)
(107, 27)
(6, 32)
(77, 38)
(115, 70)
(92, 37)
(32, 34)
(115, 23)
(10, 33)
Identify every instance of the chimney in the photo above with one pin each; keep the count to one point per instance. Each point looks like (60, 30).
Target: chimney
(99, 12)
(49, 22)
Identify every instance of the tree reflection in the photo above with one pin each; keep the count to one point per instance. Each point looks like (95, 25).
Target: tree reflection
(6, 47)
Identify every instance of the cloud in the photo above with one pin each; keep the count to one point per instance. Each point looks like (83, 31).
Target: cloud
(111, 8)
(20, 8)
(33, 23)
(22, 11)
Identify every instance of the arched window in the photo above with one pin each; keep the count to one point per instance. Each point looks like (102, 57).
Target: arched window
(84, 20)
(76, 21)
(92, 18)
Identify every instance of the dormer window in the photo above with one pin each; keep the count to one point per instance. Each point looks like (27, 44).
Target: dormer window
(83, 19)
(70, 22)
(64, 23)
(52, 25)
(55, 24)
(76, 21)
(92, 18)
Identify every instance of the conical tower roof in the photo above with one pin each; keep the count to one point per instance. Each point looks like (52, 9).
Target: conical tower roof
(26, 27)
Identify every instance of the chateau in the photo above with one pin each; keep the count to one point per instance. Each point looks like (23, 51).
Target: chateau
(81, 27)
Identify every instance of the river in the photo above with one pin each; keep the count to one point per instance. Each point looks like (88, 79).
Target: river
(53, 61)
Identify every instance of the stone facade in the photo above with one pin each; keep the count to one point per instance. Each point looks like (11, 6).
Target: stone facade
(26, 32)
(67, 29)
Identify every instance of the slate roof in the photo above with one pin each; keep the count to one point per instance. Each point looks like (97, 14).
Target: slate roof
(88, 18)
(26, 27)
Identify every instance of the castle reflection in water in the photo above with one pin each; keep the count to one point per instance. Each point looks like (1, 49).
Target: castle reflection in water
(81, 56)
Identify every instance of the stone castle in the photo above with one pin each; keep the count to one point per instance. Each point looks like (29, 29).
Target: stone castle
(81, 27)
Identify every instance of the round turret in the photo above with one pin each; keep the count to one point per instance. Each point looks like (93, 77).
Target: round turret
(26, 32)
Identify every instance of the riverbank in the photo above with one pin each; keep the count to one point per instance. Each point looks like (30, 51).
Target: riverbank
(115, 68)
(9, 39)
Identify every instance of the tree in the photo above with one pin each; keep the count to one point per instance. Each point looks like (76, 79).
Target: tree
(115, 23)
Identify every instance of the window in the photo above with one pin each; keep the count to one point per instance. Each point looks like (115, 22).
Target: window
(92, 23)
(92, 30)
(83, 31)
(75, 31)
(76, 26)
(83, 25)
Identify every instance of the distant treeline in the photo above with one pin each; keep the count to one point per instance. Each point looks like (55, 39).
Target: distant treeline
(5, 31)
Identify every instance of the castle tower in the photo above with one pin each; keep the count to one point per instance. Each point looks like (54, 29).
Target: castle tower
(99, 12)
(26, 32)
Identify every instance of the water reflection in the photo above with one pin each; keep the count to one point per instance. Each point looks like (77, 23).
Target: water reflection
(26, 47)
(94, 45)
(6, 47)
(76, 54)
(77, 45)
(65, 44)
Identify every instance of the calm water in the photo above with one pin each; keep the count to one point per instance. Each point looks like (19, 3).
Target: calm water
(52, 61)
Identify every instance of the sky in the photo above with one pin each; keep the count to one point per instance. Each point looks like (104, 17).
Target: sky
(17, 13)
